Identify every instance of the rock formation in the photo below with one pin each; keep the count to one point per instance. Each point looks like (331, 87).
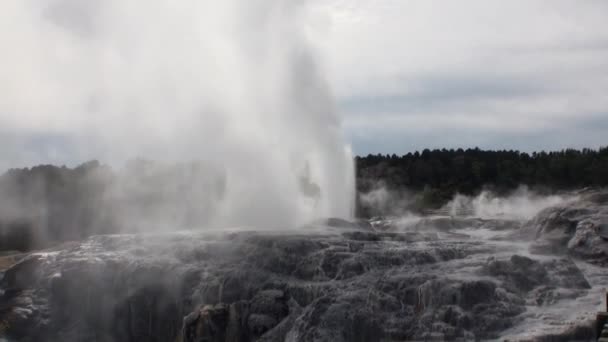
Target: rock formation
(332, 281)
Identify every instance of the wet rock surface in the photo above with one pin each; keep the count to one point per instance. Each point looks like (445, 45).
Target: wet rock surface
(456, 279)
(579, 227)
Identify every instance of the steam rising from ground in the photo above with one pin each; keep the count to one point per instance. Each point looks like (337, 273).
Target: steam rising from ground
(233, 83)
(382, 199)
(522, 204)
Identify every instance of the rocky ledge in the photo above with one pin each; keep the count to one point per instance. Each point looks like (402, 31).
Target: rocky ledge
(434, 279)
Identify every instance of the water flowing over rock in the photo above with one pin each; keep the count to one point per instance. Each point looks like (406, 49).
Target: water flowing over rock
(439, 278)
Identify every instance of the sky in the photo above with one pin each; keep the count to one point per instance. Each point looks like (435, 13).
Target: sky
(522, 74)
(404, 75)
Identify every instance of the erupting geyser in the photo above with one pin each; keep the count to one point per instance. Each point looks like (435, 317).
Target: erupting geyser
(233, 83)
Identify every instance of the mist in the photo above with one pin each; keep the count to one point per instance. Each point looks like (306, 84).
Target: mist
(520, 204)
(382, 200)
(237, 85)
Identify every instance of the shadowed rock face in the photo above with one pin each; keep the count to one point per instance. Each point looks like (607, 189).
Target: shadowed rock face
(580, 228)
(336, 281)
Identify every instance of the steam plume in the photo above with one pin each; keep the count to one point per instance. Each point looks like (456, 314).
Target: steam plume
(233, 83)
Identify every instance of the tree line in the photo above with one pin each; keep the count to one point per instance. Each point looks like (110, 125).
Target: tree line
(435, 176)
(46, 203)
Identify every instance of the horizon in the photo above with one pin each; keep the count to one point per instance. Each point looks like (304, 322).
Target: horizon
(355, 156)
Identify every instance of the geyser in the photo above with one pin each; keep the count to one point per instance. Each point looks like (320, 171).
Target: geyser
(233, 83)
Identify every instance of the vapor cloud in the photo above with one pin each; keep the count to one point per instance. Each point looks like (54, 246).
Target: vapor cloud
(233, 83)
(521, 204)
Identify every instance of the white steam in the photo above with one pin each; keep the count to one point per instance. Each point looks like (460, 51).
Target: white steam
(234, 83)
(522, 204)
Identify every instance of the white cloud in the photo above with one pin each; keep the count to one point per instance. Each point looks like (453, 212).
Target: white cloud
(519, 68)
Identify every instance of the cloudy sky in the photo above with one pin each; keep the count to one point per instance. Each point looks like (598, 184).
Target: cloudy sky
(523, 74)
(405, 74)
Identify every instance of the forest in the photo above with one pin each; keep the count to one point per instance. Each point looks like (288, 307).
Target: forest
(428, 179)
